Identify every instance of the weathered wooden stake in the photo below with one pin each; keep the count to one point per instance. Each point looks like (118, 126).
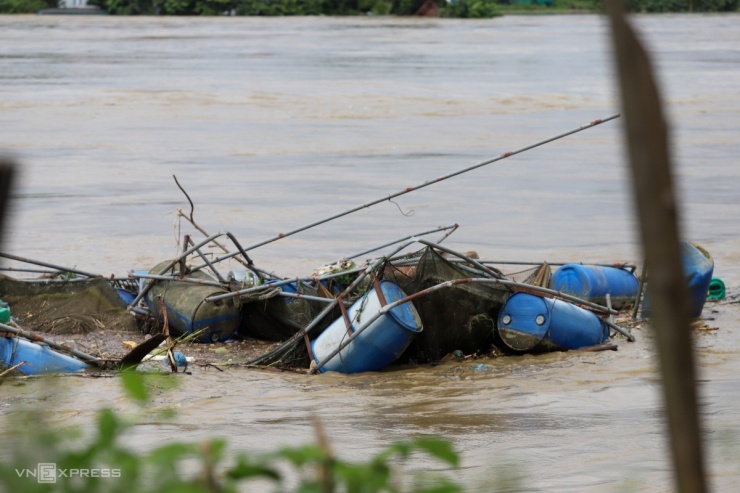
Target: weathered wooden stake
(647, 140)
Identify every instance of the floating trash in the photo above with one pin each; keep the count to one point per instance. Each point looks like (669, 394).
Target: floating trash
(716, 289)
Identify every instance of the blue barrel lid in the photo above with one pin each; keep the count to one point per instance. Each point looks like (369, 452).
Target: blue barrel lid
(405, 314)
(524, 321)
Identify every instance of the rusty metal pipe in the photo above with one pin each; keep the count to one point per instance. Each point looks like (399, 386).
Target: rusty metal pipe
(328, 309)
(34, 337)
(191, 280)
(171, 264)
(451, 227)
(46, 264)
(310, 298)
(189, 240)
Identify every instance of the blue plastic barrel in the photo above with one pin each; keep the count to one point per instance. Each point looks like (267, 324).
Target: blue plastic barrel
(381, 343)
(188, 312)
(593, 283)
(38, 359)
(126, 296)
(528, 322)
(698, 268)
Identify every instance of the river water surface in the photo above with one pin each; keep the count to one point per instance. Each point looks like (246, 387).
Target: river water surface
(271, 124)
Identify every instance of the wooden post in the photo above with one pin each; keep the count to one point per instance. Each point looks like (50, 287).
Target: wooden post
(657, 207)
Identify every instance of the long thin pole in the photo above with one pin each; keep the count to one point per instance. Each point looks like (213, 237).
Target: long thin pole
(171, 264)
(183, 255)
(32, 336)
(328, 308)
(472, 261)
(524, 262)
(452, 227)
(44, 264)
(505, 155)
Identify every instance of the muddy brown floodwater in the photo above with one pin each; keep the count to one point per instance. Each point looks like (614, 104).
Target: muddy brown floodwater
(271, 124)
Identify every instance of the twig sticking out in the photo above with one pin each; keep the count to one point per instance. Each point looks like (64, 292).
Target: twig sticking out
(190, 219)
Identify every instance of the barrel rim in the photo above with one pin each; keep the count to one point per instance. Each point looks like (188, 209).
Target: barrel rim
(399, 313)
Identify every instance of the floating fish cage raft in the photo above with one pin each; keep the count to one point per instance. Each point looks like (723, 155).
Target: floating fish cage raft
(414, 305)
(417, 303)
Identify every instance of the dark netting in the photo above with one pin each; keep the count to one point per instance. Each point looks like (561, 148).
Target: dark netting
(536, 276)
(271, 317)
(73, 307)
(461, 317)
(455, 318)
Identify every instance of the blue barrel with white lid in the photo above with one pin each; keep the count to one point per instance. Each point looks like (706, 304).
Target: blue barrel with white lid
(528, 322)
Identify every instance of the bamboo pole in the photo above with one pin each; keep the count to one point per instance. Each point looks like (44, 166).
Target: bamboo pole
(646, 134)
(558, 264)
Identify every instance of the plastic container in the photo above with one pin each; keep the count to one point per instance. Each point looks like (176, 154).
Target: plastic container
(527, 322)
(39, 359)
(187, 312)
(126, 296)
(716, 289)
(698, 268)
(243, 278)
(4, 313)
(381, 343)
(593, 283)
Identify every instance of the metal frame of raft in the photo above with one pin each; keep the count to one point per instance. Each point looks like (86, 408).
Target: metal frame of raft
(495, 278)
(516, 286)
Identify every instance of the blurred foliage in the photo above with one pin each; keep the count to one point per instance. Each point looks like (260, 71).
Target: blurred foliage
(472, 9)
(25, 6)
(203, 467)
(278, 7)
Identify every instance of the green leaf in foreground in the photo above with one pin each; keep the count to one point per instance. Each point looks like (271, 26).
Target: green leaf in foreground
(439, 448)
(135, 386)
(246, 469)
